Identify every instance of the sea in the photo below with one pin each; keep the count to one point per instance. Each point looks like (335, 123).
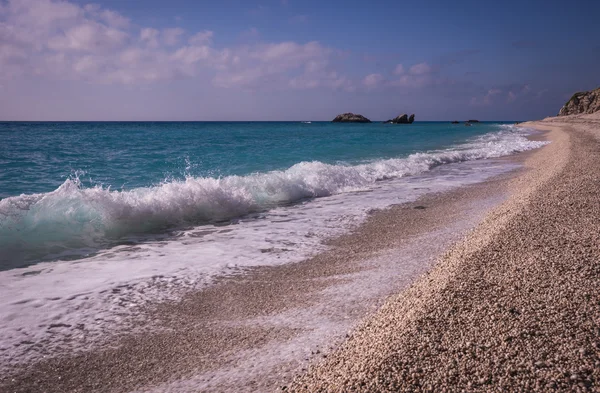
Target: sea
(99, 218)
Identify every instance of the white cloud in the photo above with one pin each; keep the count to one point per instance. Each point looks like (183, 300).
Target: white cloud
(149, 36)
(372, 80)
(515, 92)
(88, 36)
(192, 54)
(417, 76)
(279, 65)
(171, 36)
(61, 40)
(420, 69)
(316, 65)
(509, 93)
(110, 17)
(114, 19)
(40, 14)
(329, 80)
(412, 81)
(201, 38)
(290, 52)
(399, 70)
(487, 99)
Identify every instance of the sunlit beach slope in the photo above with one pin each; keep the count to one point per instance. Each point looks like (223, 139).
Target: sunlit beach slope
(513, 307)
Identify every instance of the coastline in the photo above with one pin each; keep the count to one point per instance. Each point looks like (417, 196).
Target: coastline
(214, 339)
(512, 307)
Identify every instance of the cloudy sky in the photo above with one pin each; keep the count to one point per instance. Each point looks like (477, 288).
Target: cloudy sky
(294, 59)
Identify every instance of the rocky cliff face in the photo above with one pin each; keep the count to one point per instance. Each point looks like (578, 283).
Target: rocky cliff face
(350, 118)
(582, 102)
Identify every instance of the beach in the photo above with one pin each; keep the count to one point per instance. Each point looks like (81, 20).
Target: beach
(512, 307)
(286, 196)
(489, 286)
(256, 330)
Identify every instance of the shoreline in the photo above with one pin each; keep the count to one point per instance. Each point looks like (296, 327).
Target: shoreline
(512, 307)
(239, 314)
(85, 300)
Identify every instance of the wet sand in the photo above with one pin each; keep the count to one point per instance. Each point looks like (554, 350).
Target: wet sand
(256, 331)
(513, 307)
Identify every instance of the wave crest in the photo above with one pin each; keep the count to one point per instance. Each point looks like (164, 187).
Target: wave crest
(74, 218)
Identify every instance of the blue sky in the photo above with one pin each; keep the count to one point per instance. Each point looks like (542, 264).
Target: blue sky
(293, 60)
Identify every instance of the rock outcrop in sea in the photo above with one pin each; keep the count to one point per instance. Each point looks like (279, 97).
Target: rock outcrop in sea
(582, 102)
(402, 119)
(350, 118)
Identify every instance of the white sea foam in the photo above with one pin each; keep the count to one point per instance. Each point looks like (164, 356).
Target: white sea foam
(73, 220)
(81, 300)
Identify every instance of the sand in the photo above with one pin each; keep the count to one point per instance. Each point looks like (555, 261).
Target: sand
(512, 306)
(515, 306)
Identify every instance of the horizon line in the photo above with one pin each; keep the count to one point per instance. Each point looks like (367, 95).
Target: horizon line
(237, 121)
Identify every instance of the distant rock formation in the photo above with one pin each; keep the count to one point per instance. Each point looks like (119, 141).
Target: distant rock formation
(582, 102)
(456, 122)
(472, 121)
(350, 118)
(402, 119)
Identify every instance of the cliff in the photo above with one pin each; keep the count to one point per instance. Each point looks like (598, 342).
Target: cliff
(582, 102)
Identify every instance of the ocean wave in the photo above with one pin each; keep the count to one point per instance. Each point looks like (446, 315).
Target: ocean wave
(74, 218)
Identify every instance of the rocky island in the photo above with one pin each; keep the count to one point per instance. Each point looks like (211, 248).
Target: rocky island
(583, 102)
(350, 118)
(402, 119)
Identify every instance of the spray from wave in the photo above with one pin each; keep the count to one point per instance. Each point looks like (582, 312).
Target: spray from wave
(74, 219)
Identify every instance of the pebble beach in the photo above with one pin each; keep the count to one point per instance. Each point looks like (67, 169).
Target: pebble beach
(512, 307)
(497, 292)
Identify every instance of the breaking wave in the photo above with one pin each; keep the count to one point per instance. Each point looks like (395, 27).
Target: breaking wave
(73, 217)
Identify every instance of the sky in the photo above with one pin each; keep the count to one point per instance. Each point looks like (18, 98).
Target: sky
(294, 59)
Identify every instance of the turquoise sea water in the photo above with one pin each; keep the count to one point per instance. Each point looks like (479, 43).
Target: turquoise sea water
(86, 186)
(39, 157)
